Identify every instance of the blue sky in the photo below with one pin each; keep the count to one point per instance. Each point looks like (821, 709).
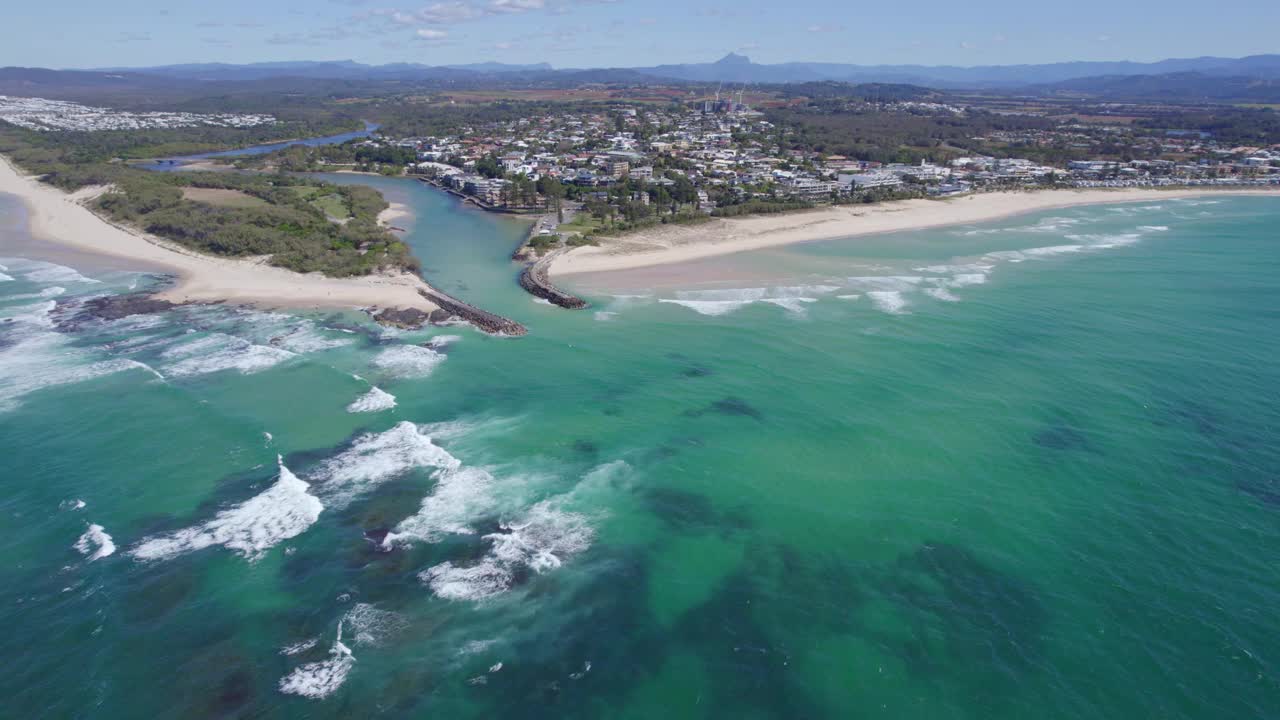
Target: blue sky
(603, 33)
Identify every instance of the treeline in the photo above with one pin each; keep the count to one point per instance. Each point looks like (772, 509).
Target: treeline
(1242, 126)
(70, 160)
(760, 207)
(302, 158)
(870, 135)
(296, 234)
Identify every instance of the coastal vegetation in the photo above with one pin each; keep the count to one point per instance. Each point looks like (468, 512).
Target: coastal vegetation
(293, 222)
(301, 224)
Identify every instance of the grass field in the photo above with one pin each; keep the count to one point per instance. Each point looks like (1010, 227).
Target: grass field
(584, 223)
(330, 204)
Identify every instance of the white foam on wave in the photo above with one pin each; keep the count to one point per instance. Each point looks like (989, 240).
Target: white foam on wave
(217, 352)
(43, 272)
(306, 338)
(794, 304)
(709, 307)
(726, 300)
(941, 293)
(283, 511)
(1153, 228)
(318, 680)
(898, 283)
(1105, 242)
(851, 296)
(375, 458)
(5, 278)
(95, 543)
(604, 315)
(408, 361)
(442, 341)
(460, 495)
(957, 268)
(376, 400)
(541, 541)
(372, 626)
(889, 301)
(966, 279)
(40, 358)
(300, 647)
(1048, 225)
(716, 302)
(1017, 256)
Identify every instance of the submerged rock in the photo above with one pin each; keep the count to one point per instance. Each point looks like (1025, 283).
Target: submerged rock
(728, 406)
(115, 307)
(408, 318)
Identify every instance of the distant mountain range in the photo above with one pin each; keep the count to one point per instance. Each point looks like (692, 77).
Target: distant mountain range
(734, 68)
(1255, 78)
(740, 69)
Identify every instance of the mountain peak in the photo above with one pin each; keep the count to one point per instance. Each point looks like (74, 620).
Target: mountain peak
(734, 59)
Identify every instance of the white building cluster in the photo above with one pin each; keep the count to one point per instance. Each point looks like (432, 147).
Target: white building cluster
(51, 115)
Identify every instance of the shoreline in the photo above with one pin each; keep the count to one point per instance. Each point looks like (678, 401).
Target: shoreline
(60, 219)
(666, 245)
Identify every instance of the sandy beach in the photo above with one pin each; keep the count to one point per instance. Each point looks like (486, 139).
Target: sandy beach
(61, 219)
(394, 212)
(664, 245)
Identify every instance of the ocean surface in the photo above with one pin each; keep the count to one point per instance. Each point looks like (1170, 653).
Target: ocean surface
(1027, 469)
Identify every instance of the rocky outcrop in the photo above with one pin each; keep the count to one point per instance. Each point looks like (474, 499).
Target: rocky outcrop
(408, 318)
(70, 314)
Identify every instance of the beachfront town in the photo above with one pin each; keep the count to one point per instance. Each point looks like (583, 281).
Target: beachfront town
(633, 163)
(45, 115)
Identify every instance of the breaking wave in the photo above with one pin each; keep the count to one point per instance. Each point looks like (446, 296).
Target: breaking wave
(376, 400)
(375, 458)
(371, 626)
(889, 301)
(540, 541)
(37, 357)
(218, 352)
(724, 301)
(283, 511)
(43, 272)
(408, 361)
(95, 543)
(318, 680)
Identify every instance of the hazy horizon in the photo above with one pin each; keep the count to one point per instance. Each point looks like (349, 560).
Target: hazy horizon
(609, 33)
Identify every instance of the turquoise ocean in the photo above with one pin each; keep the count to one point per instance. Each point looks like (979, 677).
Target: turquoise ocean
(1021, 469)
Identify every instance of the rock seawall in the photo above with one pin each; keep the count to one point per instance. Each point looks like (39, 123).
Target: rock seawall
(533, 278)
(482, 319)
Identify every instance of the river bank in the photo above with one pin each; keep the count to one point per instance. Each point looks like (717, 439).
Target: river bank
(62, 220)
(664, 245)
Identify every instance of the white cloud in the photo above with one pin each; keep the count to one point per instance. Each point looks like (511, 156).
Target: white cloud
(825, 28)
(508, 7)
(449, 12)
(431, 34)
